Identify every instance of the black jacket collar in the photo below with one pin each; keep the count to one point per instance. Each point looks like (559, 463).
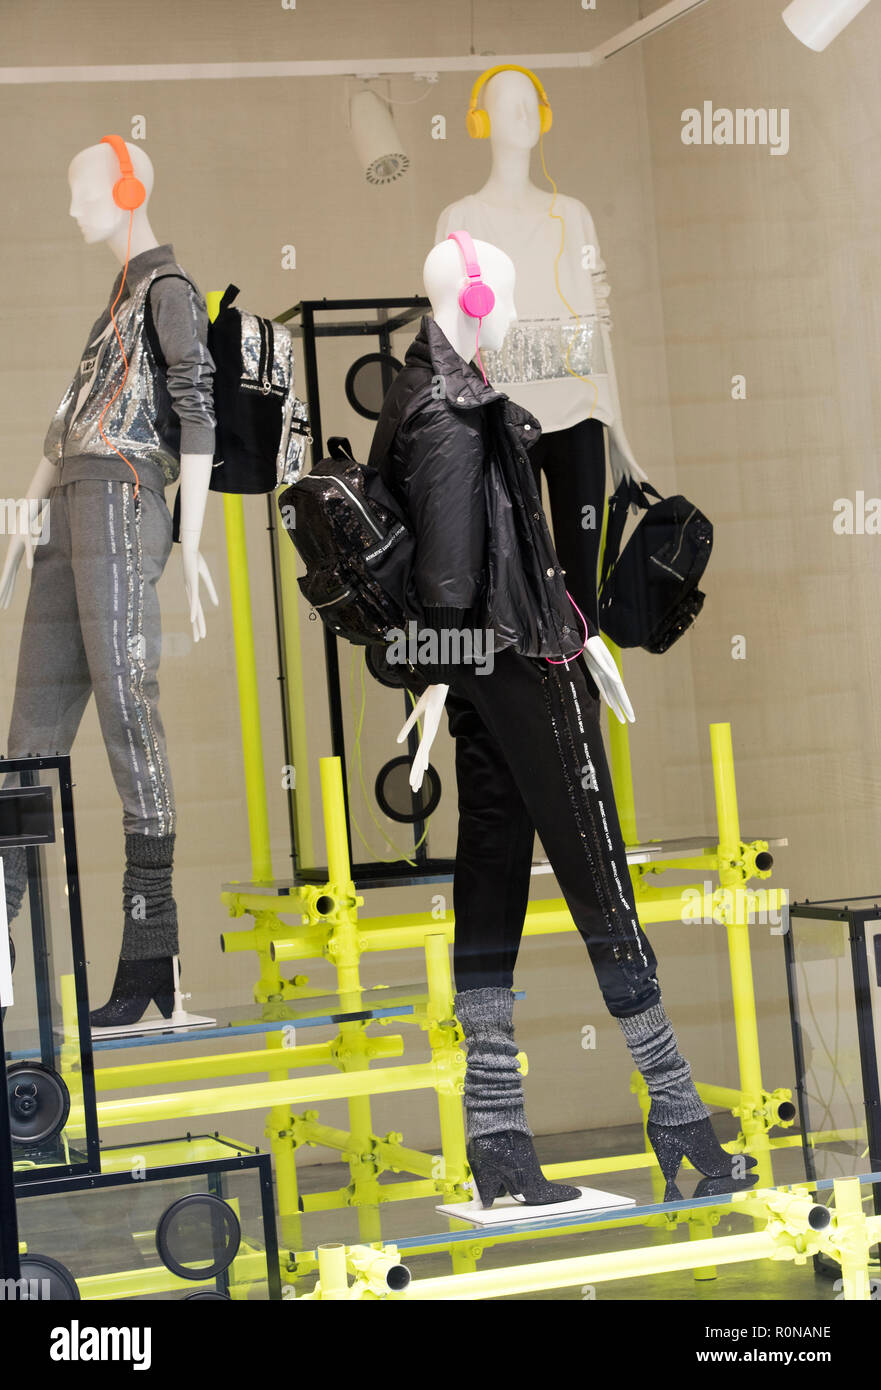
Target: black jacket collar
(464, 385)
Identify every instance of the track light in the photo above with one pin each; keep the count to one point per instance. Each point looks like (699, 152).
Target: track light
(377, 142)
(817, 22)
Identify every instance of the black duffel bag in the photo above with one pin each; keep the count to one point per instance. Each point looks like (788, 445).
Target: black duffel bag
(648, 593)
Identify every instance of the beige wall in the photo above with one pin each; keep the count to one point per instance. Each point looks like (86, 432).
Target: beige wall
(721, 261)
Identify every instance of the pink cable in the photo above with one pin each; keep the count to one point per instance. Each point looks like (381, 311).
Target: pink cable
(477, 352)
(567, 659)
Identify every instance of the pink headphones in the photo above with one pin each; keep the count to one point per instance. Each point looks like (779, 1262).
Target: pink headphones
(476, 299)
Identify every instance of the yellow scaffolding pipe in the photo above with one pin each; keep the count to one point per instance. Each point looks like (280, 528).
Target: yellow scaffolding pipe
(731, 874)
(246, 672)
(296, 701)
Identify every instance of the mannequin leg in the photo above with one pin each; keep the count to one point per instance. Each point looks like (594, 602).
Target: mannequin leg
(574, 463)
(548, 728)
(52, 686)
(493, 855)
(119, 553)
(490, 894)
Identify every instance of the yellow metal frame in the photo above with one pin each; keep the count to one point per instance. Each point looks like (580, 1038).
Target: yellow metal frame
(784, 1233)
(330, 927)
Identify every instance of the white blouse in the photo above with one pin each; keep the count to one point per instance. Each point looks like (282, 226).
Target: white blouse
(531, 364)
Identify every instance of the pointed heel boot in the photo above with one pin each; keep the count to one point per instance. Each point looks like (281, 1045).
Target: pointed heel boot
(507, 1162)
(138, 983)
(697, 1142)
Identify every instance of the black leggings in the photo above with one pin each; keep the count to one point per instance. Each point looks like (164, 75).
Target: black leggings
(530, 756)
(574, 463)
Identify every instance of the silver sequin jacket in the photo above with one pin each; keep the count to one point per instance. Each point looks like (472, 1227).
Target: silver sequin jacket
(145, 419)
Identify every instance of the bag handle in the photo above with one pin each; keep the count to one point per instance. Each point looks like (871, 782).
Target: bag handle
(627, 493)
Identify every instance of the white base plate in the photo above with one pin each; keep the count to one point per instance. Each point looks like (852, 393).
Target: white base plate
(155, 1025)
(505, 1209)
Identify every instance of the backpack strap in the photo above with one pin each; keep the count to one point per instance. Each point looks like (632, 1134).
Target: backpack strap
(387, 427)
(627, 492)
(149, 324)
(156, 349)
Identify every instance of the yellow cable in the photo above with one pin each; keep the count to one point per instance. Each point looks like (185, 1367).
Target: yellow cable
(358, 718)
(558, 217)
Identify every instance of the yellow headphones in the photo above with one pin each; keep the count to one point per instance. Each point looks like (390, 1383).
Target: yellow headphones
(477, 119)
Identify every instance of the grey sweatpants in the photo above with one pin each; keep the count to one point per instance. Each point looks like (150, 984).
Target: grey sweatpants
(92, 626)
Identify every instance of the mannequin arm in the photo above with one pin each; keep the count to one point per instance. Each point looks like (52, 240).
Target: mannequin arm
(23, 542)
(195, 473)
(621, 458)
(430, 707)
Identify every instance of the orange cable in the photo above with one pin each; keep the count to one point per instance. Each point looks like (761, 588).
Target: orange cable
(108, 442)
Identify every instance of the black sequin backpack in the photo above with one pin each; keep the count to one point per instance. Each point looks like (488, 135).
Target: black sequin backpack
(649, 593)
(355, 544)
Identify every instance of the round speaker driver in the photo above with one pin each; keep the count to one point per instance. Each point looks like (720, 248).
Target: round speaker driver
(396, 797)
(198, 1236)
(39, 1102)
(366, 382)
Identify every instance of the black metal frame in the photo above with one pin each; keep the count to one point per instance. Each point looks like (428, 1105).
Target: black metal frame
(856, 918)
(389, 315)
(28, 769)
(9, 1266)
(213, 1170)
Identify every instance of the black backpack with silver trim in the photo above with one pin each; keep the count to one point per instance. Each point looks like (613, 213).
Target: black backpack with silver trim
(355, 544)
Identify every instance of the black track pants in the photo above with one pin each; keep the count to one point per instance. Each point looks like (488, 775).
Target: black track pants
(574, 464)
(530, 756)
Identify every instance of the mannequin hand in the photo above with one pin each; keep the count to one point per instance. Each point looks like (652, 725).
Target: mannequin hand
(195, 568)
(601, 664)
(22, 544)
(621, 460)
(428, 707)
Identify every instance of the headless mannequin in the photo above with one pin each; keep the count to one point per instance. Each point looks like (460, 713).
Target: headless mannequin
(510, 210)
(529, 757)
(92, 624)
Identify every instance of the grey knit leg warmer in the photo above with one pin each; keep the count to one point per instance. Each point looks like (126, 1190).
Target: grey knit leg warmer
(150, 925)
(656, 1054)
(493, 1083)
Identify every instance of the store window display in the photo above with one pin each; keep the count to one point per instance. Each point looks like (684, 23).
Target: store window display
(125, 429)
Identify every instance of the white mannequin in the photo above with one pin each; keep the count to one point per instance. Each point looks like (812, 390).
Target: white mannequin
(511, 101)
(443, 276)
(91, 175)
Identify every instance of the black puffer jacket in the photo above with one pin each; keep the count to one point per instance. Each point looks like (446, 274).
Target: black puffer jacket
(453, 452)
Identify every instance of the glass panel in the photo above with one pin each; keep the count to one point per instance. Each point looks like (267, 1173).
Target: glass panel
(48, 1057)
(108, 1235)
(828, 1037)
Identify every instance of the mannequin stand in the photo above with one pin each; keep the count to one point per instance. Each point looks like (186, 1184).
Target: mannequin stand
(505, 1209)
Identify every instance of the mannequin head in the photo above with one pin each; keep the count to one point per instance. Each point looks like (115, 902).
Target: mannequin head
(92, 174)
(510, 100)
(443, 275)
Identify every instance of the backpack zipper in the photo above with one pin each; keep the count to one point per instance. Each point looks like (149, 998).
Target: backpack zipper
(359, 504)
(338, 598)
(662, 565)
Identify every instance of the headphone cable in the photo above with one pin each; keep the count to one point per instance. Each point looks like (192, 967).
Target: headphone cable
(109, 443)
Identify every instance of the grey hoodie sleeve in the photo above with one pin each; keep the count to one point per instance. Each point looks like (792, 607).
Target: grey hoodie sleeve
(181, 322)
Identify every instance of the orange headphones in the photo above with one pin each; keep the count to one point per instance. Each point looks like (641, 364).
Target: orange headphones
(128, 193)
(477, 119)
